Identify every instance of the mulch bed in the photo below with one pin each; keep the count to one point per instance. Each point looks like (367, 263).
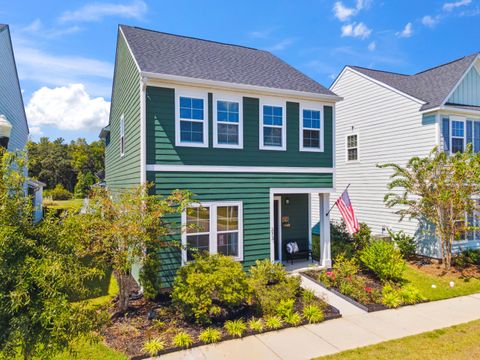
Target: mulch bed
(127, 333)
(434, 267)
(371, 281)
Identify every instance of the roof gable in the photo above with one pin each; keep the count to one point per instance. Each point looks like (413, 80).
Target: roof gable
(468, 90)
(168, 54)
(432, 86)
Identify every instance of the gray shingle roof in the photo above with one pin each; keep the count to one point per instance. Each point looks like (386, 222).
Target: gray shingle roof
(431, 86)
(169, 54)
(2, 26)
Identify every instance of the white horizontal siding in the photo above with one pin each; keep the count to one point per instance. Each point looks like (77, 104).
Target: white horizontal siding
(390, 130)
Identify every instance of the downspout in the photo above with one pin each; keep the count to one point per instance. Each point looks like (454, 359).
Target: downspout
(143, 130)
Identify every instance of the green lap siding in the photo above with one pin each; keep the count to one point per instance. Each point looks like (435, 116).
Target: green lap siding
(124, 172)
(160, 117)
(253, 189)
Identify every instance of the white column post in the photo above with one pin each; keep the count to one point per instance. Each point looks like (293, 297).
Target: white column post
(325, 256)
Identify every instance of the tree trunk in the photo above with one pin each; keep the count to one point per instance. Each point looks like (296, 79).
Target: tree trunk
(124, 290)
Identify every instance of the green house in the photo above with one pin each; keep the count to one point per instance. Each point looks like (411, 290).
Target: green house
(249, 135)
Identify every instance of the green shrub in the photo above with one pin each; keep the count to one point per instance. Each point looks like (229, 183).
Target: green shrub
(316, 247)
(293, 318)
(308, 297)
(271, 285)
(182, 339)
(150, 275)
(235, 328)
(210, 336)
(405, 243)
(273, 322)
(285, 308)
(344, 267)
(391, 296)
(466, 258)
(255, 325)
(313, 314)
(362, 238)
(384, 260)
(210, 286)
(153, 346)
(83, 185)
(410, 294)
(341, 240)
(59, 193)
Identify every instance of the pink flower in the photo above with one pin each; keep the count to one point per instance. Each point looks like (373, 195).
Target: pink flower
(368, 290)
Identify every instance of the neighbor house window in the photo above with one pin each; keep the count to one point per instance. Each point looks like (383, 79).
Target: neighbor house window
(311, 130)
(458, 136)
(191, 123)
(352, 147)
(122, 135)
(473, 221)
(273, 128)
(228, 124)
(213, 228)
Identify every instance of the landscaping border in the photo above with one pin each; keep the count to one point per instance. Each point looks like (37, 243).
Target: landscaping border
(336, 314)
(372, 308)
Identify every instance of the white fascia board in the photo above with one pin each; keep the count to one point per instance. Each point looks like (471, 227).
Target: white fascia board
(243, 169)
(348, 68)
(446, 110)
(243, 87)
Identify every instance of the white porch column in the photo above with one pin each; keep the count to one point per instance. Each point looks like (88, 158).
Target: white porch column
(325, 255)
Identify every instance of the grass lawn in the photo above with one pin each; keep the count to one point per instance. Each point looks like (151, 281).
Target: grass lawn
(457, 342)
(74, 204)
(424, 281)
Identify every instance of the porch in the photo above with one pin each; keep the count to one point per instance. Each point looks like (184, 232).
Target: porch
(298, 215)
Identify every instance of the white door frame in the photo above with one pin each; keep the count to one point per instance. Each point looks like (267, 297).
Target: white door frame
(324, 220)
(279, 229)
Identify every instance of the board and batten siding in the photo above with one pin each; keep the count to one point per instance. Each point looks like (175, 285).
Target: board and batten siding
(468, 91)
(253, 189)
(161, 149)
(11, 102)
(390, 129)
(124, 171)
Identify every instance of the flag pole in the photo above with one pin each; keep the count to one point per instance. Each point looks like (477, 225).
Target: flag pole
(328, 212)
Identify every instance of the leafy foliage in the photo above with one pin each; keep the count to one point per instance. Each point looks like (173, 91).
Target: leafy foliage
(293, 318)
(153, 346)
(83, 185)
(439, 189)
(362, 238)
(235, 328)
(285, 308)
(391, 296)
(405, 243)
(467, 258)
(308, 297)
(384, 260)
(182, 339)
(41, 271)
(341, 240)
(271, 285)
(255, 324)
(119, 226)
(313, 314)
(59, 193)
(210, 336)
(210, 285)
(273, 322)
(395, 295)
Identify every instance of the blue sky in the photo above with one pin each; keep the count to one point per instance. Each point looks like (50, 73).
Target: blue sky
(65, 50)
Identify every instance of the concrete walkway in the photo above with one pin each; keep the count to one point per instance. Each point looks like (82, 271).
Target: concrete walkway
(352, 331)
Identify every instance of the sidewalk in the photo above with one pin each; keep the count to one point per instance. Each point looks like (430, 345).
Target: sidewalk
(351, 331)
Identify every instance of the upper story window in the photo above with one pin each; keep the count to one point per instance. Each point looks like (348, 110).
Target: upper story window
(458, 136)
(352, 147)
(191, 125)
(273, 128)
(122, 135)
(311, 130)
(228, 122)
(214, 228)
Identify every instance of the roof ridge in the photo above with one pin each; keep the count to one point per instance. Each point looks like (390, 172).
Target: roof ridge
(193, 38)
(383, 71)
(445, 64)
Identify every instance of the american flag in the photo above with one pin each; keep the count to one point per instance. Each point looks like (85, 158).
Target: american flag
(346, 209)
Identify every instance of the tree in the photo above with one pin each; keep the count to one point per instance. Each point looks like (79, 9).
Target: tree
(440, 189)
(40, 273)
(84, 183)
(122, 226)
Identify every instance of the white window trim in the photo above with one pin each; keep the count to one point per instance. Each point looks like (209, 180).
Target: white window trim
(213, 227)
(230, 98)
(313, 107)
(358, 148)
(464, 121)
(122, 136)
(276, 103)
(197, 95)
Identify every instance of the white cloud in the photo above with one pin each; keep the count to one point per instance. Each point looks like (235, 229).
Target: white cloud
(67, 108)
(262, 34)
(430, 21)
(37, 29)
(406, 32)
(355, 30)
(97, 11)
(35, 130)
(281, 45)
(343, 13)
(372, 46)
(449, 6)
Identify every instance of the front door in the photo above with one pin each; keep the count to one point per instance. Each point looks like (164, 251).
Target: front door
(277, 236)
